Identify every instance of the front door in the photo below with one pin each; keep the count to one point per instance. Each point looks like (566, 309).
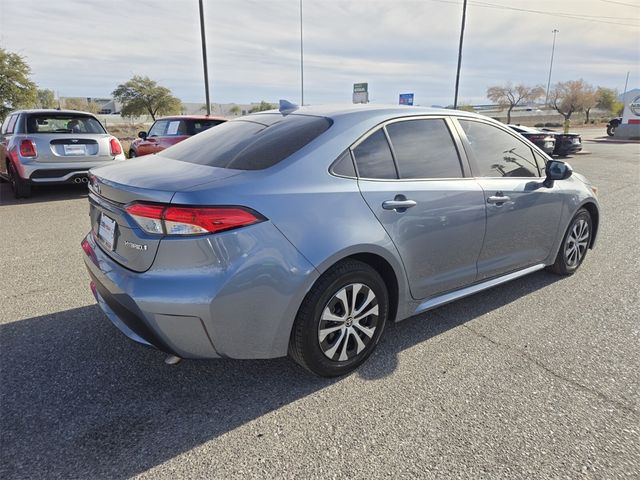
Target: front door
(523, 216)
(434, 216)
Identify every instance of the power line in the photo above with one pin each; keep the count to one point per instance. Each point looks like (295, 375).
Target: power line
(621, 3)
(587, 18)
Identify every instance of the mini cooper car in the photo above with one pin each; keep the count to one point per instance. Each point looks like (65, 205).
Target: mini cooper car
(44, 147)
(304, 231)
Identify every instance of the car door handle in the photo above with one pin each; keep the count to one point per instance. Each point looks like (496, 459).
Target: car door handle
(498, 199)
(398, 204)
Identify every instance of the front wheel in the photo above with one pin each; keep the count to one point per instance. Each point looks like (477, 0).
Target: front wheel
(340, 320)
(132, 153)
(574, 244)
(610, 130)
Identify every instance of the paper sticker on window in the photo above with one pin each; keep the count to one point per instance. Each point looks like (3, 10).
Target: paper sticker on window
(173, 127)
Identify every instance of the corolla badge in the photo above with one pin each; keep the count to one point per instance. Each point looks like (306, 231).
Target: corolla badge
(135, 246)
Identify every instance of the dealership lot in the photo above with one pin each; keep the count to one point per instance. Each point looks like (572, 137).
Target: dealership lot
(536, 378)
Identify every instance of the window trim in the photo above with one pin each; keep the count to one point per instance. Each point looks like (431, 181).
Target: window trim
(469, 151)
(463, 159)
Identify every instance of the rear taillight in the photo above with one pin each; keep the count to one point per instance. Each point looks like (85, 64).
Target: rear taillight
(172, 220)
(27, 148)
(115, 147)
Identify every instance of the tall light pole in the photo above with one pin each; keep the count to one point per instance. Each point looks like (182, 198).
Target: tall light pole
(464, 15)
(204, 59)
(301, 61)
(553, 48)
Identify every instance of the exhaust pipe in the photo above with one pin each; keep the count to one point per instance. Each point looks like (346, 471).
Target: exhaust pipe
(85, 180)
(77, 180)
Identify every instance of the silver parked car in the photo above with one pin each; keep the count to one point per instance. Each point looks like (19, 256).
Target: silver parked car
(40, 147)
(304, 232)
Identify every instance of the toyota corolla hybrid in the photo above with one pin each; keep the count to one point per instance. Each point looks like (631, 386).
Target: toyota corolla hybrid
(303, 232)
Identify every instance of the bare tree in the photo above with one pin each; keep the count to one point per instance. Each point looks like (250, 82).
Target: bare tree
(509, 96)
(569, 97)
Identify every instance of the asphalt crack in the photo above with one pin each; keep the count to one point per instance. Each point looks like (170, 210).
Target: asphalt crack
(574, 383)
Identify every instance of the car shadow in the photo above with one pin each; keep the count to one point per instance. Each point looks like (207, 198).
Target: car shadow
(79, 400)
(43, 193)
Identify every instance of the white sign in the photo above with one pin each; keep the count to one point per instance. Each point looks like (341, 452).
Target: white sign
(631, 107)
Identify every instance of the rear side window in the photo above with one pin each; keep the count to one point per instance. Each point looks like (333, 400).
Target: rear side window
(424, 149)
(12, 123)
(199, 126)
(63, 123)
(251, 143)
(497, 153)
(343, 166)
(373, 157)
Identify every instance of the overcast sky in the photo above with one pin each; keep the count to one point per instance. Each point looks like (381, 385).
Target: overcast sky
(87, 47)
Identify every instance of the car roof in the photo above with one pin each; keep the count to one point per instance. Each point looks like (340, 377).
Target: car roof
(53, 111)
(369, 113)
(193, 117)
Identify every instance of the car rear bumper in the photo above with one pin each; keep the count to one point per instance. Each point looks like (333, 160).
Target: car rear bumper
(238, 300)
(58, 172)
(568, 149)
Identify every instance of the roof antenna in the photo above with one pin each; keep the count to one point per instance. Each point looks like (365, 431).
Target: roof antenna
(287, 107)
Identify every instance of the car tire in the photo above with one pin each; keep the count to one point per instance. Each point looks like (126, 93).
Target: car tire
(333, 334)
(20, 187)
(610, 130)
(575, 244)
(132, 154)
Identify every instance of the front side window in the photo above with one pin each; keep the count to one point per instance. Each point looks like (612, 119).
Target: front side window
(424, 149)
(158, 129)
(63, 123)
(373, 157)
(497, 153)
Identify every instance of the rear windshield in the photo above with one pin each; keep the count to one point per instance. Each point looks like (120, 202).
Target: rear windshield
(251, 143)
(63, 123)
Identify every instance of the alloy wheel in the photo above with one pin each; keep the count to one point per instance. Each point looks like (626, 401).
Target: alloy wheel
(348, 322)
(577, 243)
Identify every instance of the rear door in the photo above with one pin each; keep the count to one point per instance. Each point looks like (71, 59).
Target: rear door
(522, 215)
(411, 176)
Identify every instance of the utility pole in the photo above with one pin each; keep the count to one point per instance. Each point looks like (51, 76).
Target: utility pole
(301, 61)
(626, 83)
(204, 59)
(464, 15)
(553, 48)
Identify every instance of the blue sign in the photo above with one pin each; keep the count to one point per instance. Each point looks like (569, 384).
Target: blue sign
(406, 99)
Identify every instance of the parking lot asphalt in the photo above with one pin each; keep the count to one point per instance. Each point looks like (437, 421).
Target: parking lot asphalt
(538, 378)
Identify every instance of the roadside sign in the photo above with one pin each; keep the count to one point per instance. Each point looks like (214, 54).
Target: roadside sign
(360, 93)
(406, 99)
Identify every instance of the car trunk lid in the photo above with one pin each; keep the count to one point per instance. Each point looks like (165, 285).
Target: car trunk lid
(149, 180)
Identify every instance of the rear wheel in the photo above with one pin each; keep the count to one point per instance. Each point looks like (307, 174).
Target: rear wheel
(132, 153)
(574, 244)
(340, 320)
(610, 130)
(20, 187)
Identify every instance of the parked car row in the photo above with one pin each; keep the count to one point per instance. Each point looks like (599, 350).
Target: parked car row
(48, 147)
(550, 141)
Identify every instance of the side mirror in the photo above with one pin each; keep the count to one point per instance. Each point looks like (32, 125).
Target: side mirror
(142, 135)
(556, 170)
